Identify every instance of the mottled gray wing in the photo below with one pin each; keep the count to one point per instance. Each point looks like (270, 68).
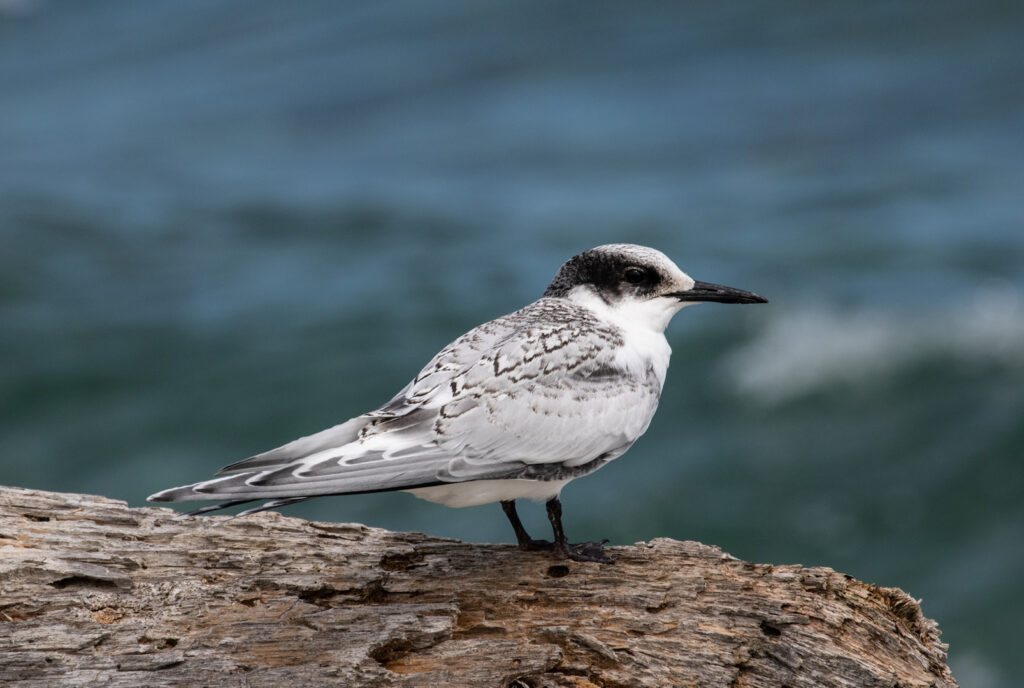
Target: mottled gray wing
(541, 389)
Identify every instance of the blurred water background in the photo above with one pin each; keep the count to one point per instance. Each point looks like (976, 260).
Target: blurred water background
(227, 224)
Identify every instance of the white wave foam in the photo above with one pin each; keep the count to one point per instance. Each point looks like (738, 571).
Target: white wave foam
(811, 348)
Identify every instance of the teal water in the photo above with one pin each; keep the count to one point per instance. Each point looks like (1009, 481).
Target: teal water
(228, 224)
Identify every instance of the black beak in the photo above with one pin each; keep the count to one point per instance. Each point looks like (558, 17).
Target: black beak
(705, 291)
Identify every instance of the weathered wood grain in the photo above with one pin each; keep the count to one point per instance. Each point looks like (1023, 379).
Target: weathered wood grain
(93, 593)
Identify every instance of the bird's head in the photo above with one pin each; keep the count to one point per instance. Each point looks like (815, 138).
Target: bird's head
(636, 283)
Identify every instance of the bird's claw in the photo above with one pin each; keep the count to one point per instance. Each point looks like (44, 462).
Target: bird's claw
(585, 551)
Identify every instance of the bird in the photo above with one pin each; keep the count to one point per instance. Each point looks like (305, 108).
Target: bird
(516, 408)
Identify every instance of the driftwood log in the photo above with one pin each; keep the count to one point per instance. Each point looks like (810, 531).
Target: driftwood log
(93, 593)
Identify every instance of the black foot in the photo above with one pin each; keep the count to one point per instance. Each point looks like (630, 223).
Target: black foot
(531, 545)
(523, 539)
(585, 551)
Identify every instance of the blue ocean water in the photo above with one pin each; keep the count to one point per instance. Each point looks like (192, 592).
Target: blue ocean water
(226, 224)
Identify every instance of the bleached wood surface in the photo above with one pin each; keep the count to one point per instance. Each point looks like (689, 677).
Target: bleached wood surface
(93, 593)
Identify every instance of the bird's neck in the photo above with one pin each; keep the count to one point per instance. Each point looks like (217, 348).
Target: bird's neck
(643, 329)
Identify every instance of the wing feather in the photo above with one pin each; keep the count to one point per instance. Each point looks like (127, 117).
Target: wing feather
(542, 386)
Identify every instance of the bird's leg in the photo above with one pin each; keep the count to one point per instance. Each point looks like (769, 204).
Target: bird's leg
(583, 551)
(522, 537)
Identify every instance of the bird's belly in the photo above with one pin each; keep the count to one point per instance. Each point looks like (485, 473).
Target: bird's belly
(475, 492)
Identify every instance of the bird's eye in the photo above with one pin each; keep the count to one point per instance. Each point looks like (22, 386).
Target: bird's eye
(634, 275)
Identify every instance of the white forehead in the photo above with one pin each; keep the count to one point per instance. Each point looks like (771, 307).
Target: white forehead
(643, 255)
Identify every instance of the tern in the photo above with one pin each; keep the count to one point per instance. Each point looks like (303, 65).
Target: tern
(513, 409)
